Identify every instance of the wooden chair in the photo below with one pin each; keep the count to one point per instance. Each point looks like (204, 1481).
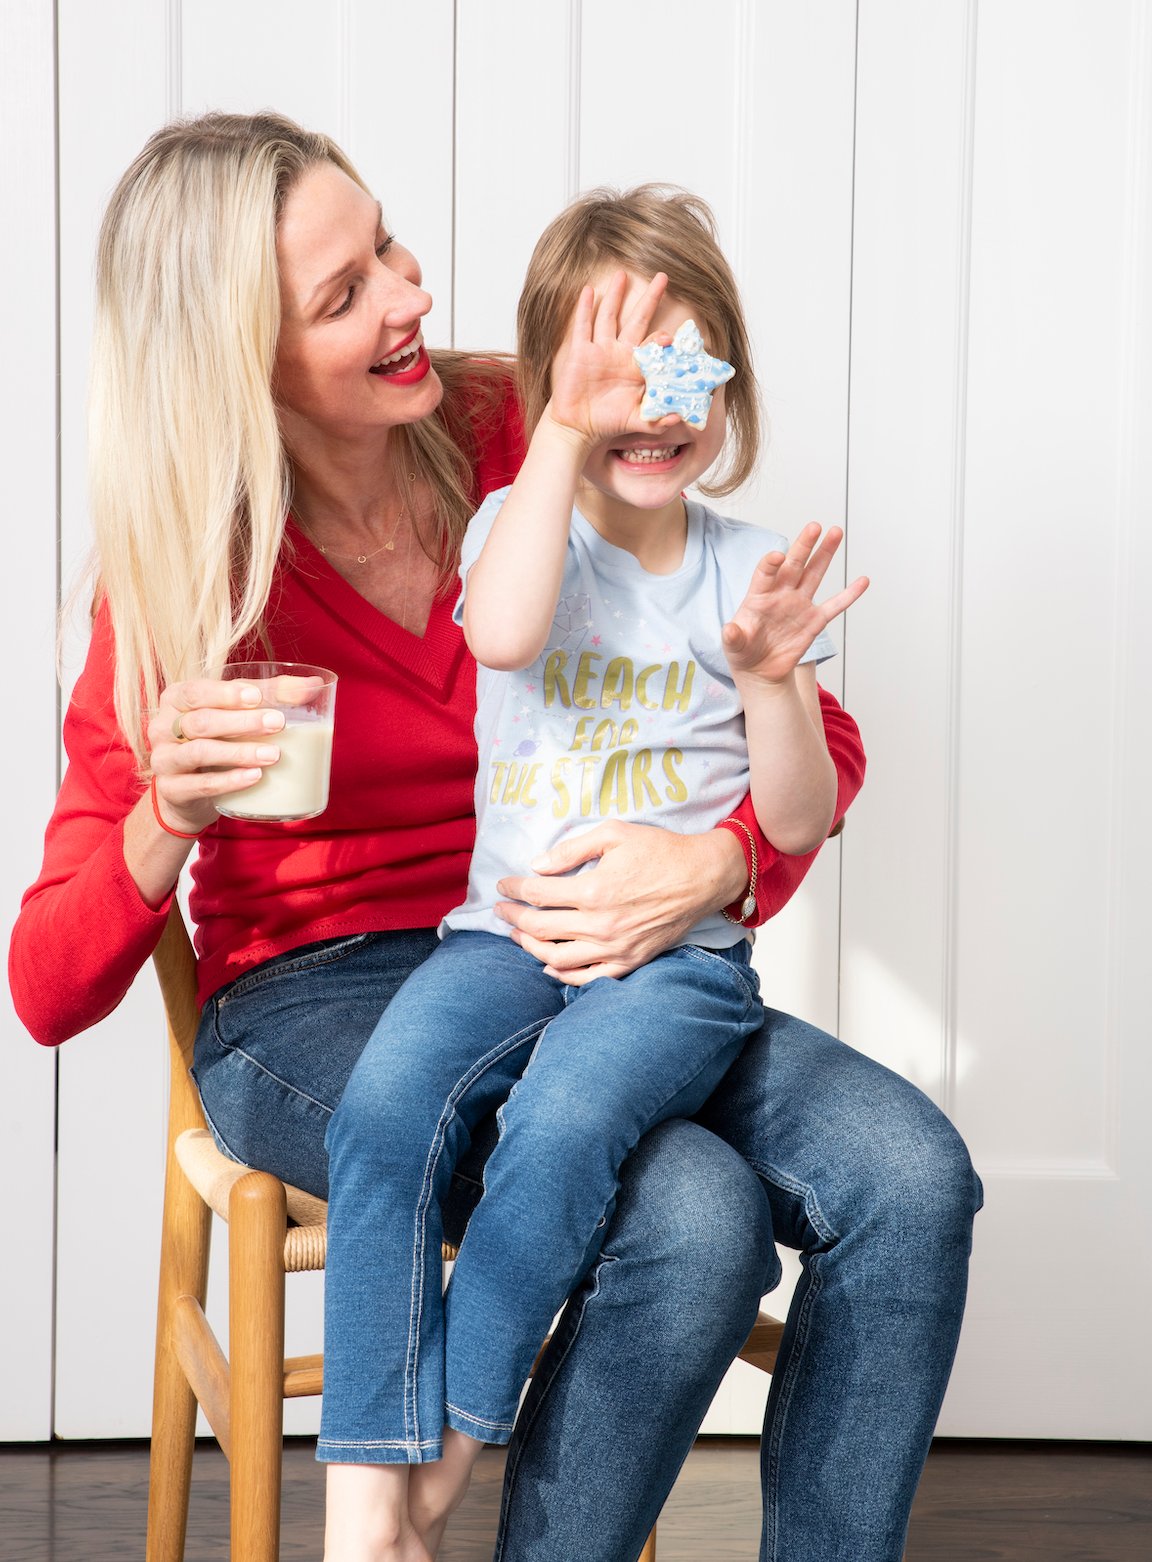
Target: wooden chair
(273, 1230)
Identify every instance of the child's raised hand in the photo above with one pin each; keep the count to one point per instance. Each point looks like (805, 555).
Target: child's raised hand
(596, 385)
(778, 620)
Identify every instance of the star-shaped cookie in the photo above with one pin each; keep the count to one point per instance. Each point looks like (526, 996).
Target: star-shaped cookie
(680, 379)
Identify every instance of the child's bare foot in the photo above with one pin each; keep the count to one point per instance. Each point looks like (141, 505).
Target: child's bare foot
(367, 1515)
(436, 1489)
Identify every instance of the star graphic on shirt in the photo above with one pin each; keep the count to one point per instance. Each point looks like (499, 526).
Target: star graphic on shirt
(530, 687)
(595, 639)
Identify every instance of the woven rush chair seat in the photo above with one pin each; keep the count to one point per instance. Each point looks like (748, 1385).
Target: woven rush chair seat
(273, 1230)
(214, 1174)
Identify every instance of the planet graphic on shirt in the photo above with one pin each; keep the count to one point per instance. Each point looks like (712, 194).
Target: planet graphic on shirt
(523, 750)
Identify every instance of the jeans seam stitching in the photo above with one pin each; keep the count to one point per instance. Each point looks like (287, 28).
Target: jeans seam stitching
(512, 1467)
(221, 1143)
(815, 1214)
(252, 1062)
(377, 1442)
(746, 984)
(496, 1426)
(786, 1392)
(420, 1242)
(292, 967)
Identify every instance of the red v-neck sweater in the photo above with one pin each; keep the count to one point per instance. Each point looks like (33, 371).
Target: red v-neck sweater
(390, 851)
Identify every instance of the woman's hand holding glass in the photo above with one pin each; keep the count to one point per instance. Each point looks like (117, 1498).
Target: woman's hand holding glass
(208, 737)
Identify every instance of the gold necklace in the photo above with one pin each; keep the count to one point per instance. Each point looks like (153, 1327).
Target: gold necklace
(359, 558)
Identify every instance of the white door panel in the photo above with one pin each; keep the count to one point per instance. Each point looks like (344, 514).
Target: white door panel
(999, 477)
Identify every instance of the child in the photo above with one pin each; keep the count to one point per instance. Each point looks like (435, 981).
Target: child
(640, 658)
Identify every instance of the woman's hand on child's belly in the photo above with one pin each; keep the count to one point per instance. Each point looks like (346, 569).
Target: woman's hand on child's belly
(643, 894)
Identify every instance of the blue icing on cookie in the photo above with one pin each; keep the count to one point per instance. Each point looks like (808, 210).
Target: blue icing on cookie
(664, 369)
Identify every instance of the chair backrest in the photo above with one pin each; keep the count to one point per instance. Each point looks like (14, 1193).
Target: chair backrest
(175, 963)
(205, 1167)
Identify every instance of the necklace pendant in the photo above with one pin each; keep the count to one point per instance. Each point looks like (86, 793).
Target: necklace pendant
(361, 558)
(391, 547)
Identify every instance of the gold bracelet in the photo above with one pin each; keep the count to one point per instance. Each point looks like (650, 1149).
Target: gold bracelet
(748, 904)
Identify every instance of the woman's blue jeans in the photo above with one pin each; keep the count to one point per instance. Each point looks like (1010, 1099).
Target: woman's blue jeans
(805, 1142)
(576, 1075)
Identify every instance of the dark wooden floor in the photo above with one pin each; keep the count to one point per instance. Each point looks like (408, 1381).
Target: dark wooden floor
(978, 1502)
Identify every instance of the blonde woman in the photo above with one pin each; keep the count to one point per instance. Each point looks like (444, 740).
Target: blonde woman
(280, 465)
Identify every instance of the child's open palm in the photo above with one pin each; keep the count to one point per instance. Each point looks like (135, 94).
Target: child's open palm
(596, 385)
(778, 619)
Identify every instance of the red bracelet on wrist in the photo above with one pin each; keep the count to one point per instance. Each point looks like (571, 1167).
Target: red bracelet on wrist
(183, 834)
(740, 911)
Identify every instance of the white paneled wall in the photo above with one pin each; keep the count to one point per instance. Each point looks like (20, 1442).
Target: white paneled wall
(517, 151)
(1059, 489)
(27, 611)
(940, 217)
(1001, 491)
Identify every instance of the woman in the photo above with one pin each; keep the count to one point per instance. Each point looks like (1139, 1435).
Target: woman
(258, 349)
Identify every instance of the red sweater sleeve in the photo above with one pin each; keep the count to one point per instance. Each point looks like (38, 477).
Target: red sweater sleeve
(779, 876)
(83, 931)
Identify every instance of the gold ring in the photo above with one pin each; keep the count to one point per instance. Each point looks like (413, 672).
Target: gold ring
(177, 730)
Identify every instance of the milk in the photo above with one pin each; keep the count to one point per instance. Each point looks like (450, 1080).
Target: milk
(296, 786)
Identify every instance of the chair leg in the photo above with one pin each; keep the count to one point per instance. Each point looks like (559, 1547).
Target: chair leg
(649, 1552)
(187, 1232)
(257, 1220)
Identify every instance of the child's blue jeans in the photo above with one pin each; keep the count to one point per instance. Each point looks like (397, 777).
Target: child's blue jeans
(582, 1073)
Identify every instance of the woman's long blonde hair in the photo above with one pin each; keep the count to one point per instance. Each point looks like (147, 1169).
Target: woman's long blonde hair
(190, 483)
(651, 228)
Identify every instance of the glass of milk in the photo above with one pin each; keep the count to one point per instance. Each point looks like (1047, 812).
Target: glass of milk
(296, 785)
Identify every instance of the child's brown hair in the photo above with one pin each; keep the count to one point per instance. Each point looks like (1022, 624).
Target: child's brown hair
(651, 228)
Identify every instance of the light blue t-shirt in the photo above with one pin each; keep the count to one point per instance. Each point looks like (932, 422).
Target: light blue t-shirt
(629, 713)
